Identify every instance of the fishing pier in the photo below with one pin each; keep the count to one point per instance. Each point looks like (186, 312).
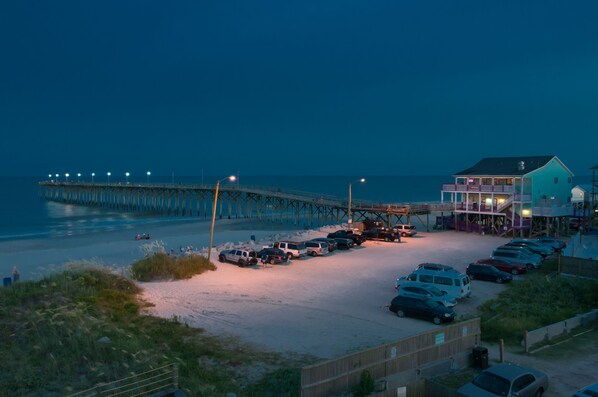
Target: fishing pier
(234, 202)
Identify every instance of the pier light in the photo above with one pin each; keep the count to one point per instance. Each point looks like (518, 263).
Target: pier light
(108, 174)
(50, 176)
(127, 176)
(66, 176)
(349, 219)
(57, 175)
(231, 178)
(148, 175)
(93, 174)
(78, 176)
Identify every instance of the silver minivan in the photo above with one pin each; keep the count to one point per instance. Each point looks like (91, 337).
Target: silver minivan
(404, 230)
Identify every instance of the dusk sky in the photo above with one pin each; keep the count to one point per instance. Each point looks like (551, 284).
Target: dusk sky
(295, 87)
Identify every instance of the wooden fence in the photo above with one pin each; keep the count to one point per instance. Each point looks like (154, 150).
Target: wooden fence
(408, 357)
(579, 267)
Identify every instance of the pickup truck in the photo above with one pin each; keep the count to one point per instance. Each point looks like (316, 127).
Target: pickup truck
(242, 257)
(380, 234)
(357, 239)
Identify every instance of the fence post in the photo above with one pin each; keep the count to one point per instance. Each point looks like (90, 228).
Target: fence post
(525, 342)
(175, 376)
(502, 350)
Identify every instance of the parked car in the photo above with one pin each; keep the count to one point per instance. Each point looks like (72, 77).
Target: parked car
(519, 258)
(588, 391)
(292, 249)
(523, 250)
(273, 255)
(357, 239)
(477, 271)
(421, 290)
(504, 265)
(144, 236)
(421, 308)
(533, 246)
(315, 248)
(332, 244)
(404, 230)
(380, 234)
(344, 243)
(553, 242)
(242, 257)
(506, 380)
(448, 280)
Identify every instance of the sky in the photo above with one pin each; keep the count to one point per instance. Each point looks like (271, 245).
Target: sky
(338, 87)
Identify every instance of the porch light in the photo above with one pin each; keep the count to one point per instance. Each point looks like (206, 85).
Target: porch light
(488, 201)
(526, 212)
(501, 200)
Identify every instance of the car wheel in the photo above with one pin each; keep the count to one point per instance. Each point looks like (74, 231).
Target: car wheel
(272, 261)
(314, 253)
(289, 256)
(403, 234)
(400, 313)
(539, 393)
(529, 266)
(241, 263)
(221, 258)
(436, 320)
(514, 272)
(499, 280)
(471, 276)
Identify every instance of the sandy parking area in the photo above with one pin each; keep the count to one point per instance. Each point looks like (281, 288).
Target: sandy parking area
(324, 306)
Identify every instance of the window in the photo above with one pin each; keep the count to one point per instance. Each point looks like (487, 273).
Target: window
(522, 382)
(412, 277)
(424, 278)
(443, 280)
(457, 282)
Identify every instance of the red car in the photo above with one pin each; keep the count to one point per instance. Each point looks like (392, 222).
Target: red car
(503, 265)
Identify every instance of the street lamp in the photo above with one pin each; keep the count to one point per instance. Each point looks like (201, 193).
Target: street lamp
(232, 179)
(349, 219)
(66, 176)
(108, 176)
(148, 175)
(127, 176)
(78, 176)
(92, 175)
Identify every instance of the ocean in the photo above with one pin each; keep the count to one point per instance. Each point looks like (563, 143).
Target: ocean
(24, 215)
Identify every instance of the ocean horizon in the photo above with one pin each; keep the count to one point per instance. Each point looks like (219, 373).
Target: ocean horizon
(24, 215)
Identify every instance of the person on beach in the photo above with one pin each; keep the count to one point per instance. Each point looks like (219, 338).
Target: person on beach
(16, 275)
(264, 260)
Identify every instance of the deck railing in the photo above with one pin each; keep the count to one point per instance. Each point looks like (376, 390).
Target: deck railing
(478, 188)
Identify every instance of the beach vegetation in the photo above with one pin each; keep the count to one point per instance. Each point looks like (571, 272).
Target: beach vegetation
(162, 266)
(541, 298)
(73, 330)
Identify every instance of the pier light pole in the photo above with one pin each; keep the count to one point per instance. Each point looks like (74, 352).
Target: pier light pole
(232, 179)
(92, 175)
(127, 176)
(349, 219)
(78, 176)
(148, 175)
(57, 176)
(108, 174)
(66, 177)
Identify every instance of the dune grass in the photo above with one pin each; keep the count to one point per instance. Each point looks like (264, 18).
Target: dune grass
(73, 330)
(539, 299)
(160, 266)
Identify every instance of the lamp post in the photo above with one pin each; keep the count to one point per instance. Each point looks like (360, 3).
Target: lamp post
(230, 178)
(78, 176)
(127, 177)
(66, 177)
(108, 174)
(349, 219)
(92, 175)
(148, 175)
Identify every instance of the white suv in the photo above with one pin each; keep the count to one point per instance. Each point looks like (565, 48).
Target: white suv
(404, 230)
(292, 249)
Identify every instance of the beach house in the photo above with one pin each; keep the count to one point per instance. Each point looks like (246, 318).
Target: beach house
(517, 196)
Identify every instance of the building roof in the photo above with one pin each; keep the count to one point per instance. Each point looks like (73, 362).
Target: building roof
(506, 166)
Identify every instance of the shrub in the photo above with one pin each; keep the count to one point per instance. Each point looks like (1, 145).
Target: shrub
(161, 266)
(365, 385)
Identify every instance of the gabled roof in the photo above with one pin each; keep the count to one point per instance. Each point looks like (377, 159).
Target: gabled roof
(507, 166)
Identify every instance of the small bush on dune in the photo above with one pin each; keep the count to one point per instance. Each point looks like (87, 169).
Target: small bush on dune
(161, 266)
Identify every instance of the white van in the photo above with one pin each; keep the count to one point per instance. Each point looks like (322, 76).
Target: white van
(450, 281)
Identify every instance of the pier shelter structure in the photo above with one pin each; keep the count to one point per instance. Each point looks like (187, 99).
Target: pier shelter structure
(234, 202)
(517, 196)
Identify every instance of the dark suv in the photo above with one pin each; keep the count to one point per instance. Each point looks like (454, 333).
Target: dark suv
(422, 308)
(272, 256)
(357, 239)
(380, 234)
(476, 271)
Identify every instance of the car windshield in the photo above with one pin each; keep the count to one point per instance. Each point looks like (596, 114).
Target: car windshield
(436, 292)
(492, 383)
